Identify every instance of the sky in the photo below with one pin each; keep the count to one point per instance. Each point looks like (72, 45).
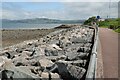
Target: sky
(68, 10)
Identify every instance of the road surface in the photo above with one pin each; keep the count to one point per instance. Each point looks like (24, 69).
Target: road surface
(109, 47)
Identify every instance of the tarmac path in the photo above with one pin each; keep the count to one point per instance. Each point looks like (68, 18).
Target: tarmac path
(109, 46)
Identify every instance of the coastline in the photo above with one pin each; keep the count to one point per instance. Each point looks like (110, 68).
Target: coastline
(14, 36)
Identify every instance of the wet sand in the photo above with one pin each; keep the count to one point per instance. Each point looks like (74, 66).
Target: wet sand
(11, 37)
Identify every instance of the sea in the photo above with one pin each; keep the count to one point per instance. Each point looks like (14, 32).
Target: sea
(28, 26)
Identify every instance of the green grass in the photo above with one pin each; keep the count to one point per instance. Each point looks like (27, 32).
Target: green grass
(108, 23)
(117, 30)
(111, 23)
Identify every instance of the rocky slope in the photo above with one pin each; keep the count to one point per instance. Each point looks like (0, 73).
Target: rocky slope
(63, 54)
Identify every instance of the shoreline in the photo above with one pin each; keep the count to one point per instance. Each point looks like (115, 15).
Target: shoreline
(14, 36)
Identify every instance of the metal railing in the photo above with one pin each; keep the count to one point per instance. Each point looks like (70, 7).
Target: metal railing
(91, 73)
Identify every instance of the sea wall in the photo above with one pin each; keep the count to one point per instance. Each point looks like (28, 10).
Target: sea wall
(63, 54)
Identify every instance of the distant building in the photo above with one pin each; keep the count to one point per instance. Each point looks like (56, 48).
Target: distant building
(101, 19)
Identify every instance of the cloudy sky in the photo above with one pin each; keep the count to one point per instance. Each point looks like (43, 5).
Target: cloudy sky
(58, 10)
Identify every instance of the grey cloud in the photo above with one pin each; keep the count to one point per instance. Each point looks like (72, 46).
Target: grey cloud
(72, 10)
(93, 8)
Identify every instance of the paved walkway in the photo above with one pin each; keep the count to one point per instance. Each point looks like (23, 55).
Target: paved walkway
(109, 46)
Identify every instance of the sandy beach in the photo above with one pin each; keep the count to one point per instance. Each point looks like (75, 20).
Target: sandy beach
(11, 37)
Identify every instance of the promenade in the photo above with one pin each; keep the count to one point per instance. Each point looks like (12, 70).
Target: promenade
(109, 49)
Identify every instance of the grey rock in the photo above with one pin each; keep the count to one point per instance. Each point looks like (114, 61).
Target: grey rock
(27, 52)
(51, 52)
(61, 44)
(20, 60)
(62, 69)
(68, 71)
(3, 59)
(56, 47)
(84, 49)
(73, 48)
(9, 71)
(76, 72)
(53, 68)
(45, 62)
(37, 70)
(18, 73)
(64, 43)
(39, 51)
(61, 54)
(82, 55)
(56, 58)
(80, 63)
(9, 54)
(53, 42)
(29, 49)
(55, 76)
(71, 55)
(19, 50)
(88, 44)
(45, 76)
(34, 61)
(78, 40)
(36, 58)
(76, 55)
(50, 76)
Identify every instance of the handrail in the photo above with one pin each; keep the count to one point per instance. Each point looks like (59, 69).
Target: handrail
(91, 73)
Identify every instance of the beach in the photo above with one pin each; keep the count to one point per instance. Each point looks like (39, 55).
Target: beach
(14, 36)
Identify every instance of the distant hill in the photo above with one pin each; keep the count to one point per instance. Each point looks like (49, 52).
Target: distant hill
(44, 21)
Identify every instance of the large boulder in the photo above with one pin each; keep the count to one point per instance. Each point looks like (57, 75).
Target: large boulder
(20, 60)
(56, 58)
(76, 72)
(49, 52)
(53, 41)
(29, 53)
(9, 54)
(80, 63)
(45, 62)
(38, 51)
(50, 76)
(53, 50)
(45, 76)
(56, 47)
(82, 55)
(3, 59)
(55, 76)
(78, 40)
(70, 72)
(76, 55)
(9, 71)
(71, 55)
(84, 49)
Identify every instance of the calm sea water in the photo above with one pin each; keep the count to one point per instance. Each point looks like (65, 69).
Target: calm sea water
(28, 26)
